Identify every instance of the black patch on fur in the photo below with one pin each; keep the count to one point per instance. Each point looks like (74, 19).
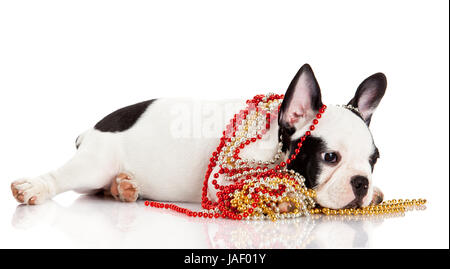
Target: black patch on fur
(124, 118)
(77, 145)
(373, 158)
(307, 162)
(284, 134)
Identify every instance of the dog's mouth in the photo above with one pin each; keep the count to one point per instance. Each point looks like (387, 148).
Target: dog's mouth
(357, 203)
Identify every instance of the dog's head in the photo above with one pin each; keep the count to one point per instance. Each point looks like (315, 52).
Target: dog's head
(338, 159)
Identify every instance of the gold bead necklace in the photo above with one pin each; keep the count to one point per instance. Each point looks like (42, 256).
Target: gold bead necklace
(256, 191)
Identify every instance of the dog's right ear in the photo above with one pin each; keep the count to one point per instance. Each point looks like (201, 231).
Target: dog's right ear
(301, 101)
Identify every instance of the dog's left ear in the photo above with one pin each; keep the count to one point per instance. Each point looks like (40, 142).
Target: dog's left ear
(368, 95)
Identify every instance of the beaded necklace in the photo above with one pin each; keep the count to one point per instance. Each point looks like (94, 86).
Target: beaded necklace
(254, 189)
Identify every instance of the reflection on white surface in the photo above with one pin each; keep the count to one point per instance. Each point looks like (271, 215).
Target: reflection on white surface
(99, 222)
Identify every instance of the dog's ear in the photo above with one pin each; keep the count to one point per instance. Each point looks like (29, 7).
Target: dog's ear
(301, 101)
(369, 94)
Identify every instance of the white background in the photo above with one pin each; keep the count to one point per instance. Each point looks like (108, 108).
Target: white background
(66, 64)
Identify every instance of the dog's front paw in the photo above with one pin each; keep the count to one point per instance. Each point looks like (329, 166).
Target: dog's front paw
(377, 196)
(30, 191)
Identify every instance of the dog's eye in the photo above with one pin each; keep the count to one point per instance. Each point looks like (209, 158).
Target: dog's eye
(330, 157)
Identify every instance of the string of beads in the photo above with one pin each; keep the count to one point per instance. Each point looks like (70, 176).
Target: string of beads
(254, 189)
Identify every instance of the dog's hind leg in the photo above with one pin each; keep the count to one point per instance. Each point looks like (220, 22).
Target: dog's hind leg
(92, 168)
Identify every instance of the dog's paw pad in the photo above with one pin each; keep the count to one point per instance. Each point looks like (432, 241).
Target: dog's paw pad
(377, 196)
(124, 188)
(286, 207)
(28, 191)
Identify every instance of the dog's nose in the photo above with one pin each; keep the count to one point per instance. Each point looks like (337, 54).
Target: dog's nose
(360, 186)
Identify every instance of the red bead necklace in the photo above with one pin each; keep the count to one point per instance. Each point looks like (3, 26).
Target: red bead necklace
(251, 192)
(252, 189)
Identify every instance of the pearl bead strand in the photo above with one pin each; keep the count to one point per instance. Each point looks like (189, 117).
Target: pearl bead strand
(256, 189)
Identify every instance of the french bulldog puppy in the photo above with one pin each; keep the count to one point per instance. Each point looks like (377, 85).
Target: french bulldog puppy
(160, 149)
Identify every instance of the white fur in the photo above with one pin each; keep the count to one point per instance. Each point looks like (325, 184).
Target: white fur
(167, 152)
(346, 133)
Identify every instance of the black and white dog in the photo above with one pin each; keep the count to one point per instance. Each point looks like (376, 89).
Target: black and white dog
(158, 150)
